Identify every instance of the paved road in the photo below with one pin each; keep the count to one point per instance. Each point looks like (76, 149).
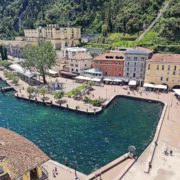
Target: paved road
(160, 14)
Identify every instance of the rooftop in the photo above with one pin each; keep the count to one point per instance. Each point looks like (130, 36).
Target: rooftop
(19, 154)
(75, 49)
(111, 56)
(165, 58)
(82, 56)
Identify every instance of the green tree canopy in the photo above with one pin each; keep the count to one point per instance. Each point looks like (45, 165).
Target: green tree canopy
(40, 58)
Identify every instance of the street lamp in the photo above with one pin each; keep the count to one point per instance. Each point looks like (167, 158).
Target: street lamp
(106, 93)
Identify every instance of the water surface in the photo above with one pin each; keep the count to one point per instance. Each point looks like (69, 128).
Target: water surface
(83, 141)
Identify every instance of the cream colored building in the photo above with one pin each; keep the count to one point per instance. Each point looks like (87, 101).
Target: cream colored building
(80, 62)
(60, 37)
(163, 69)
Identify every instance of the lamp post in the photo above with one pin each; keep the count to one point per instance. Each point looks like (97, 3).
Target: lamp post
(172, 99)
(106, 93)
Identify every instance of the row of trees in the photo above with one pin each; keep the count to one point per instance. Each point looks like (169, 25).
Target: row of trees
(43, 91)
(12, 76)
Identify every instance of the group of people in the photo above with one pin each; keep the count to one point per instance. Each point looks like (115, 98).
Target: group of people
(168, 153)
(55, 172)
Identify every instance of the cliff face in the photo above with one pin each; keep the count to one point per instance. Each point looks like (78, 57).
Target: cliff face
(130, 16)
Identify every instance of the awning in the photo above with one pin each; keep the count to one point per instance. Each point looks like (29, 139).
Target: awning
(88, 78)
(67, 73)
(19, 69)
(147, 85)
(83, 78)
(112, 79)
(132, 83)
(96, 79)
(160, 86)
(177, 91)
(53, 72)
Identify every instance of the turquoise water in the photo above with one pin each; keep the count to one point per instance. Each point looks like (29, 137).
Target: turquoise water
(83, 141)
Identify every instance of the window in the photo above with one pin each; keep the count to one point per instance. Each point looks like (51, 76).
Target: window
(135, 58)
(135, 64)
(72, 69)
(174, 67)
(167, 79)
(142, 58)
(127, 69)
(76, 70)
(157, 68)
(128, 63)
(128, 58)
(127, 74)
(149, 66)
(162, 67)
(169, 67)
(85, 65)
(134, 69)
(174, 73)
(134, 74)
(161, 78)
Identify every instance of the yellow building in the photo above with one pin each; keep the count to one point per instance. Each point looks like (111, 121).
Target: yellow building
(19, 158)
(59, 36)
(163, 69)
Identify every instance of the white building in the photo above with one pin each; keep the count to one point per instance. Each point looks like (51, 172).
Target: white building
(80, 62)
(69, 52)
(135, 65)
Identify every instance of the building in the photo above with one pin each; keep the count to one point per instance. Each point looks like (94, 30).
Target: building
(135, 64)
(19, 158)
(80, 62)
(69, 52)
(93, 73)
(15, 48)
(163, 69)
(60, 37)
(111, 64)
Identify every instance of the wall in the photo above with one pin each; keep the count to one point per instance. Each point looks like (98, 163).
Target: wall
(159, 76)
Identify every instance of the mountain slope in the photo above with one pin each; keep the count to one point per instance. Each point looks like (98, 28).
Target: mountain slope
(130, 16)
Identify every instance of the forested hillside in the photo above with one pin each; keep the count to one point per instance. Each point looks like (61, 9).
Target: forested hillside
(95, 16)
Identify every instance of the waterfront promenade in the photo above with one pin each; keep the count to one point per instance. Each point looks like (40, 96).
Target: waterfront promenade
(163, 167)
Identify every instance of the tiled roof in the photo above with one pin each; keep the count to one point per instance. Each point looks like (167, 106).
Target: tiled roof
(81, 56)
(110, 56)
(19, 154)
(165, 58)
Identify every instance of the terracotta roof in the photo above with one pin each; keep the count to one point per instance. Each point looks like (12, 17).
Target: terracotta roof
(111, 56)
(19, 154)
(81, 56)
(165, 58)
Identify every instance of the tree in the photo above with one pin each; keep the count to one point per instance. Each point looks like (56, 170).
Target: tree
(43, 91)
(76, 93)
(15, 80)
(40, 58)
(58, 95)
(30, 90)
